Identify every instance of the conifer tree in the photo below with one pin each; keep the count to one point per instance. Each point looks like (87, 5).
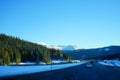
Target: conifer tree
(15, 50)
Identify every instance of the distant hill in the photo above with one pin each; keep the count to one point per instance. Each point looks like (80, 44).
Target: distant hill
(97, 53)
(15, 50)
(60, 47)
(70, 47)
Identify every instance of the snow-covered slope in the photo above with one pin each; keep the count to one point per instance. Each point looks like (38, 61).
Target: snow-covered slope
(60, 47)
(110, 62)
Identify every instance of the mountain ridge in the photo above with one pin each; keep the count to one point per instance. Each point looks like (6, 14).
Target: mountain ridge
(60, 47)
(95, 53)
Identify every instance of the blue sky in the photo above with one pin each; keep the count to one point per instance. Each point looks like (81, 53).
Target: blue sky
(86, 23)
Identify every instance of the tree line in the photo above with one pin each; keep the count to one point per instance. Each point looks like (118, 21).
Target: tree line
(16, 50)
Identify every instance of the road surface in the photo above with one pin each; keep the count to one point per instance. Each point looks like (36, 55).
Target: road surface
(81, 72)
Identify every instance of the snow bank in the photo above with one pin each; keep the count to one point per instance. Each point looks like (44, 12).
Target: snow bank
(17, 70)
(110, 62)
(103, 63)
(58, 61)
(24, 63)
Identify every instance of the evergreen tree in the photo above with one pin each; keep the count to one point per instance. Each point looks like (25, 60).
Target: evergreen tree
(7, 58)
(15, 50)
(17, 57)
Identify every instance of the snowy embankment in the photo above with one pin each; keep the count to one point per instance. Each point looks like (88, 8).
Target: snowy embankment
(18, 70)
(110, 62)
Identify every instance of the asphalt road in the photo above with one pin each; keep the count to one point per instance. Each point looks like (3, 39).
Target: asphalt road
(81, 72)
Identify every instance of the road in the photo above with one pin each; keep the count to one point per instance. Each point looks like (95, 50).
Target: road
(81, 72)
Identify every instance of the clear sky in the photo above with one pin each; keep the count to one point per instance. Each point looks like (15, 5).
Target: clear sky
(86, 23)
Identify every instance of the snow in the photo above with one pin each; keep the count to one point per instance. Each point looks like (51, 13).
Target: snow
(43, 43)
(110, 62)
(24, 63)
(58, 61)
(60, 47)
(17, 70)
(69, 48)
(51, 46)
(107, 49)
(104, 49)
(103, 63)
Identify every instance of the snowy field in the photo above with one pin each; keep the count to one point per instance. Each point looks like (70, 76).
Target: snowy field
(110, 62)
(17, 70)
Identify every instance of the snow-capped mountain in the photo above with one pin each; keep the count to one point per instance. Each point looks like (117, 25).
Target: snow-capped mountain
(70, 47)
(60, 47)
(109, 52)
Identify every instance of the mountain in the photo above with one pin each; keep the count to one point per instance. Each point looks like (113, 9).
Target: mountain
(69, 48)
(60, 47)
(96, 53)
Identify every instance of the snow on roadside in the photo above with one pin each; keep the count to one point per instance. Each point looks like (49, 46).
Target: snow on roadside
(58, 61)
(110, 62)
(117, 63)
(17, 70)
(24, 63)
(103, 63)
